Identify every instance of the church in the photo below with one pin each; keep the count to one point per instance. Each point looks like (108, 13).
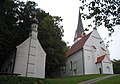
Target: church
(88, 54)
(28, 59)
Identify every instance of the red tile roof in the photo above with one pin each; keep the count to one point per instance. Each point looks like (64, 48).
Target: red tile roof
(100, 58)
(77, 46)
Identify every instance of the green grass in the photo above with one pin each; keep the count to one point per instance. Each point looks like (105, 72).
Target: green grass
(20, 80)
(62, 80)
(113, 80)
(72, 79)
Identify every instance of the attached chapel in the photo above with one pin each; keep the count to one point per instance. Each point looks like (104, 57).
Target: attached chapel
(29, 58)
(88, 55)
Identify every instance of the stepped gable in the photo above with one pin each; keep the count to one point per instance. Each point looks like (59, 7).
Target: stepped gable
(77, 46)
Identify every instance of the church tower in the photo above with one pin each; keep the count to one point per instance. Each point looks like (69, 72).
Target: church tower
(79, 33)
(30, 56)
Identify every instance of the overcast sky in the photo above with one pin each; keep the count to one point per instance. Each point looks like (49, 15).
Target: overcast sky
(69, 10)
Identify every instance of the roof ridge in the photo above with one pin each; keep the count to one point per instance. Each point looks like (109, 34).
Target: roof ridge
(77, 46)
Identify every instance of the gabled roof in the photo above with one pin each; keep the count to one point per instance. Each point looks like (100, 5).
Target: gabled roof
(100, 58)
(77, 46)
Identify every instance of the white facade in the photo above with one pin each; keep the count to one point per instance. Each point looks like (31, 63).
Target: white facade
(30, 60)
(107, 66)
(30, 57)
(74, 64)
(90, 58)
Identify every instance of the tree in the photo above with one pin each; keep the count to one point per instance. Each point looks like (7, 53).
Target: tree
(51, 38)
(105, 12)
(116, 66)
(15, 26)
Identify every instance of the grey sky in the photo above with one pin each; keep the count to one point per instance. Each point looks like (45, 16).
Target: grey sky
(69, 10)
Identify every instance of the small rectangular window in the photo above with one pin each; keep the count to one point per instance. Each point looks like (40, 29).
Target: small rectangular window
(70, 65)
(74, 65)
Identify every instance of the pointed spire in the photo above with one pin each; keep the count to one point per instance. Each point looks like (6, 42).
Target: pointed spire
(79, 31)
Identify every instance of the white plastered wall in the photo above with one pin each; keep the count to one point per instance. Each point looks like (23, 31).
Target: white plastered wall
(22, 58)
(94, 40)
(107, 66)
(75, 58)
(40, 62)
(34, 65)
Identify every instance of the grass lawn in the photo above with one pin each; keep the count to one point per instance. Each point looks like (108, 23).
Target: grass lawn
(113, 80)
(62, 80)
(71, 79)
(20, 80)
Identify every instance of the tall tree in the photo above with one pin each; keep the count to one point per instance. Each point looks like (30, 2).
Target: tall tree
(116, 66)
(106, 12)
(15, 26)
(51, 37)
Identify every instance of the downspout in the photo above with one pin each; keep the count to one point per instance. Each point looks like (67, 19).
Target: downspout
(83, 61)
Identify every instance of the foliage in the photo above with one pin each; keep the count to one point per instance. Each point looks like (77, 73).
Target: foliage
(116, 66)
(105, 12)
(112, 80)
(51, 38)
(20, 80)
(15, 18)
(63, 80)
(14, 25)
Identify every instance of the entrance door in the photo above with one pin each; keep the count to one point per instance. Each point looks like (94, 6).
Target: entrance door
(100, 70)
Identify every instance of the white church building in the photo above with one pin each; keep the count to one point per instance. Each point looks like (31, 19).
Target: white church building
(29, 57)
(88, 55)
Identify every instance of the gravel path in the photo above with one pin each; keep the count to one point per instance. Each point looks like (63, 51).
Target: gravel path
(95, 80)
